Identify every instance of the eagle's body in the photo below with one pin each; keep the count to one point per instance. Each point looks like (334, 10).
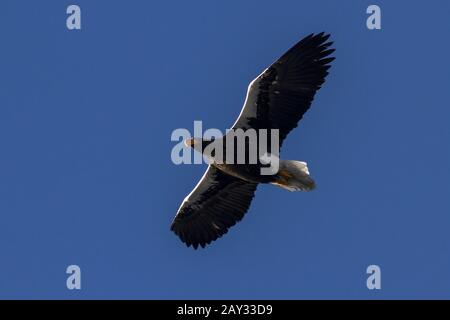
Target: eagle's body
(276, 99)
(248, 170)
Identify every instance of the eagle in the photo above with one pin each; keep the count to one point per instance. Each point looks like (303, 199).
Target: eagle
(276, 100)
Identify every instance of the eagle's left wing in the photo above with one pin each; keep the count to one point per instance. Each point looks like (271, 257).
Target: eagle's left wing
(216, 204)
(279, 97)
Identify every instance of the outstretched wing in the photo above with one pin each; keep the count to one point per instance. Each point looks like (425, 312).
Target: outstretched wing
(280, 96)
(216, 204)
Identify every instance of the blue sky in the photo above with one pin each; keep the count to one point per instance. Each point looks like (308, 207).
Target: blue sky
(85, 170)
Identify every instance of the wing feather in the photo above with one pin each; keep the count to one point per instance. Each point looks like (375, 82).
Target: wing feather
(217, 203)
(279, 97)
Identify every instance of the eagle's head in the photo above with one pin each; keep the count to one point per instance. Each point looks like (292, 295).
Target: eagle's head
(197, 144)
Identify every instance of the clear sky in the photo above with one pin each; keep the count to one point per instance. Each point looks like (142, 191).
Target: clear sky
(85, 170)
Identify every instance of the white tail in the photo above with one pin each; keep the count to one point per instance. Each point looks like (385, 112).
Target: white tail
(294, 176)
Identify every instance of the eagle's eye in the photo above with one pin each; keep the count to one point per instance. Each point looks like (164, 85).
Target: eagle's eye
(189, 142)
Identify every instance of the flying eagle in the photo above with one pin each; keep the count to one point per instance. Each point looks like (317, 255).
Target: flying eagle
(276, 99)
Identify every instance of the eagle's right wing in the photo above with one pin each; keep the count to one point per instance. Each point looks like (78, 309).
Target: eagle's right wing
(216, 204)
